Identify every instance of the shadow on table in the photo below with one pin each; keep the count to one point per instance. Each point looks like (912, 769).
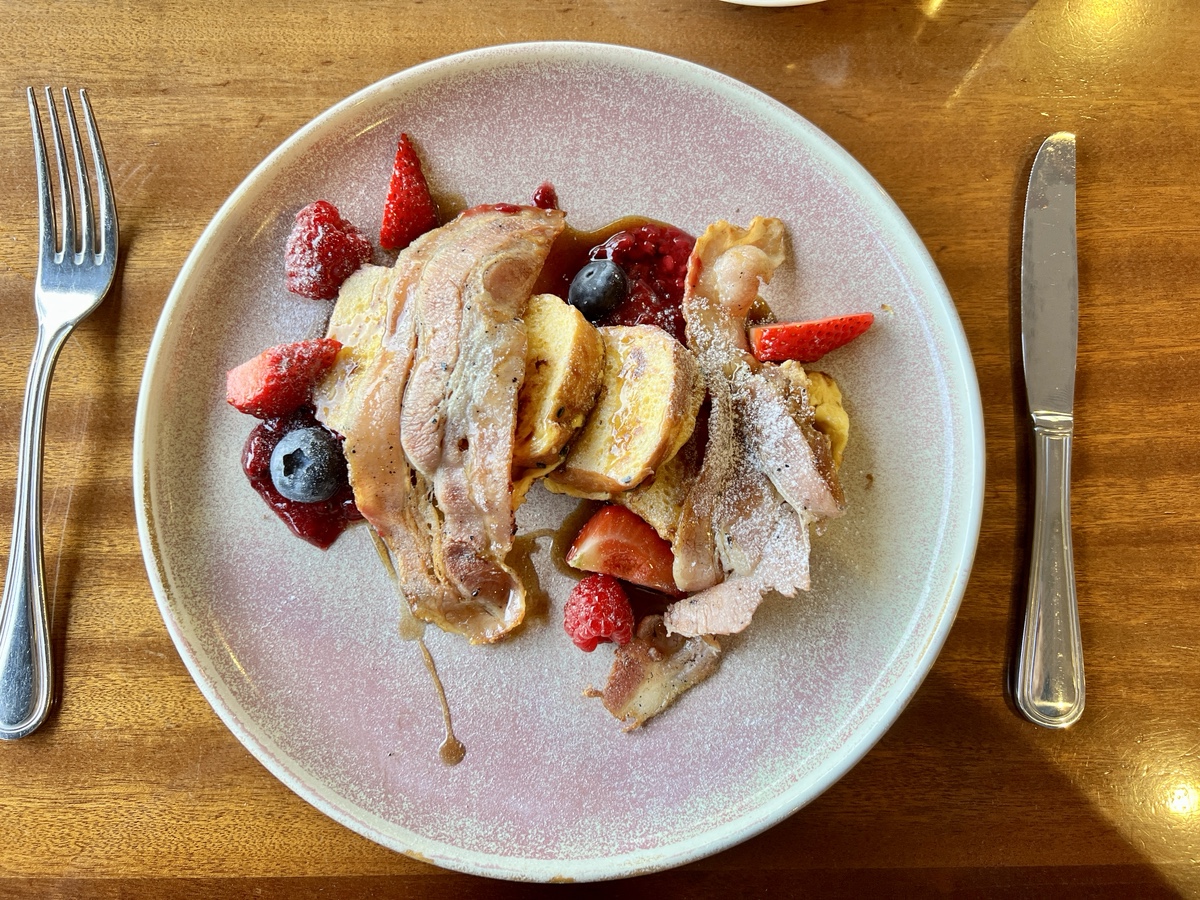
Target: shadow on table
(949, 804)
(958, 799)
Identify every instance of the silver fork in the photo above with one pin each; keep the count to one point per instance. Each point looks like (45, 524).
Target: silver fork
(72, 278)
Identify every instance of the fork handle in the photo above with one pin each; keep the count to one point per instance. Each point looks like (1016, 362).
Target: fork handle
(26, 679)
(1050, 686)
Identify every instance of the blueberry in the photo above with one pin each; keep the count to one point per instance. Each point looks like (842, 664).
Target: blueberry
(599, 288)
(307, 465)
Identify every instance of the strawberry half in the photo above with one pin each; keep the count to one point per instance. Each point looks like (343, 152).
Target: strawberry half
(618, 542)
(280, 379)
(806, 341)
(409, 211)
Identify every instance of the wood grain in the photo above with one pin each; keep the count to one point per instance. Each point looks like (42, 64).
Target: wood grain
(135, 789)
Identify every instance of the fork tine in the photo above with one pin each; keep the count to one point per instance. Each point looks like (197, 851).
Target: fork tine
(108, 205)
(66, 224)
(87, 245)
(45, 198)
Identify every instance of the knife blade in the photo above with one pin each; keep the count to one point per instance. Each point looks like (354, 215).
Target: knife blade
(1050, 681)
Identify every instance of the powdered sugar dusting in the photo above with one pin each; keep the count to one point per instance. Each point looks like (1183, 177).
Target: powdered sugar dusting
(298, 650)
(759, 459)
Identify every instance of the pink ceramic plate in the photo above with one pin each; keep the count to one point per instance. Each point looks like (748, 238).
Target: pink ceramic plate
(297, 649)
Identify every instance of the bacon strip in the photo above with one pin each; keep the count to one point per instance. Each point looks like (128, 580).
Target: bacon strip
(652, 671)
(429, 425)
(743, 530)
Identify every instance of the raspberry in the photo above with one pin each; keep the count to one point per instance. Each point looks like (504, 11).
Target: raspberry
(655, 258)
(598, 611)
(323, 250)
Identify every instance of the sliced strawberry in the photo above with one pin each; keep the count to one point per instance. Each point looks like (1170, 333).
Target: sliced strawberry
(618, 542)
(806, 341)
(322, 251)
(409, 211)
(281, 379)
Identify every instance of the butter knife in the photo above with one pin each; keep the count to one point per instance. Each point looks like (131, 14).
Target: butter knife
(1049, 683)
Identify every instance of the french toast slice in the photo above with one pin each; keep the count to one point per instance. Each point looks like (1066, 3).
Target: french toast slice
(564, 365)
(645, 411)
(660, 499)
(829, 416)
(357, 321)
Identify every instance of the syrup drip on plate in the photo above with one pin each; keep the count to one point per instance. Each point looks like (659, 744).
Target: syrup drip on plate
(452, 750)
(520, 560)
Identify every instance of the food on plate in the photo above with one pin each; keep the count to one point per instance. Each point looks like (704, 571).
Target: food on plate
(409, 210)
(307, 465)
(438, 488)
(743, 530)
(825, 398)
(651, 672)
(545, 196)
(650, 376)
(320, 523)
(321, 252)
(357, 324)
(564, 368)
(654, 257)
(598, 611)
(620, 543)
(599, 288)
(294, 464)
(645, 411)
(279, 379)
(806, 342)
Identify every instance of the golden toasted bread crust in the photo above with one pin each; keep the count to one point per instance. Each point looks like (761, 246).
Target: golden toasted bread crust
(829, 416)
(659, 500)
(564, 366)
(645, 411)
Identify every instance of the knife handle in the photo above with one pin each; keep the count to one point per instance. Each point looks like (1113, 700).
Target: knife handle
(1050, 688)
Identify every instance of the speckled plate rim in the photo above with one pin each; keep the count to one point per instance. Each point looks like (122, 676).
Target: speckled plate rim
(887, 708)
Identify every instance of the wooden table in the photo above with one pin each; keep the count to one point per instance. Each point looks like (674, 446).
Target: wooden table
(134, 788)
